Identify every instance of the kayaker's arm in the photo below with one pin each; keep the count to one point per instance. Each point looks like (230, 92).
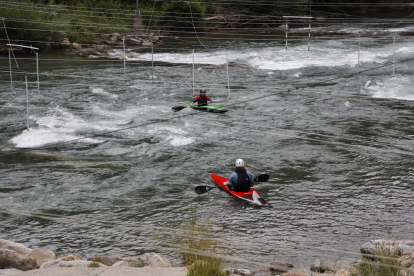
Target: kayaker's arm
(251, 178)
(232, 180)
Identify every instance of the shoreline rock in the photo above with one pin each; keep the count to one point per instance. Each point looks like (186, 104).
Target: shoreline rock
(17, 259)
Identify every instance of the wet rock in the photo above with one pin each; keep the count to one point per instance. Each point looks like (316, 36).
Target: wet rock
(105, 260)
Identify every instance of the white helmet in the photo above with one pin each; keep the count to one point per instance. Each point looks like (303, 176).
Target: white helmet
(239, 163)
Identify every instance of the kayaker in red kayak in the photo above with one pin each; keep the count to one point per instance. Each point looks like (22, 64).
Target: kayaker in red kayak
(240, 180)
(203, 99)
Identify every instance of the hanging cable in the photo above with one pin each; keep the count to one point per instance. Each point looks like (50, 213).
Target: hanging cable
(195, 31)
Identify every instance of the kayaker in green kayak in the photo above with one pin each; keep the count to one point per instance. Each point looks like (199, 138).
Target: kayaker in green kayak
(240, 180)
(203, 99)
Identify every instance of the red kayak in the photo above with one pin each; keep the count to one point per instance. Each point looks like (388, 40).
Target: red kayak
(251, 196)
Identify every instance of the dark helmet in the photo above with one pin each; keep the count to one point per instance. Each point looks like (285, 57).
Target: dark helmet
(202, 91)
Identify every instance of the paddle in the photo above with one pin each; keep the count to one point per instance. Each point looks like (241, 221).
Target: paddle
(204, 189)
(177, 108)
(180, 107)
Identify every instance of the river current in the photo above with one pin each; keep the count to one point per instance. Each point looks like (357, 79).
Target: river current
(106, 166)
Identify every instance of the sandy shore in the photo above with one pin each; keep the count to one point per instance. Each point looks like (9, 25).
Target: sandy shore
(107, 271)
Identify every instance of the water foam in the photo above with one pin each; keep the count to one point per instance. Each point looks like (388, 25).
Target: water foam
(59, 125)
(176, 136)
(40, 137)
(325, 54)
(395, 88)
(101, 91)
(179, 140)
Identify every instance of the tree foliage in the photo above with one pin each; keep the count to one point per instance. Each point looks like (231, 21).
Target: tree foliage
(83, 21)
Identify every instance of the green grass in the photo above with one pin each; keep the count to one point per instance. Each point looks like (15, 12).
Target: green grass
(385, 263)
(198, 246)
(93, 264)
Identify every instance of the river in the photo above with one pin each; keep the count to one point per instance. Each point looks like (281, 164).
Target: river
(106, 167)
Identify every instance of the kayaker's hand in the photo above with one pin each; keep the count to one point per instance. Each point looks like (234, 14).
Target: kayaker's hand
(191, 105)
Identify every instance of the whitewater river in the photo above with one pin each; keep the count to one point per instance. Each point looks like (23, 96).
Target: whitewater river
(106, 166)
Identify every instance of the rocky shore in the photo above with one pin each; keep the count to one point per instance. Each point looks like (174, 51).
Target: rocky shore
(19, 260)
(101, 46)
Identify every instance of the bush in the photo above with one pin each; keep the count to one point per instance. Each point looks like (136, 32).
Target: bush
(181, 16)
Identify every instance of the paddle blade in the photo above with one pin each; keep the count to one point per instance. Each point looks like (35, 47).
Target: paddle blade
(202, 189)
(177, 108)
(261, 178)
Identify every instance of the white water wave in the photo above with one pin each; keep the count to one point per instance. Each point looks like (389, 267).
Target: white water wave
(399, 87)
(58, 125)
(101, 91)
(327, 54)
(179, 140)
(40, 137)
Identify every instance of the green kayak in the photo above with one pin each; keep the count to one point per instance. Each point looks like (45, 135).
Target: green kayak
(207, 108)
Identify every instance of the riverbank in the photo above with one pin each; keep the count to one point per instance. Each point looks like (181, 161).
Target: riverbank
(106, 271)
(105, 43)
(19, 260)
